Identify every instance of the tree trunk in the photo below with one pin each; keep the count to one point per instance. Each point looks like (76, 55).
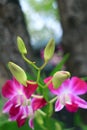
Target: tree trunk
(73, 16)
(12, 24)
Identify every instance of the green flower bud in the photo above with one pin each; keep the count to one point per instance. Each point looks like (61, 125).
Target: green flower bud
(21, 46)
(18, 73)
(49, 50)
(59, 77)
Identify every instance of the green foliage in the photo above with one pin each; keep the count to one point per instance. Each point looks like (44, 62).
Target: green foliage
(3, 117)
(40, 123)
(84, 78)
(13, 126)
(78, 121)
(46, 93)
(48, 109)
(46, 123)
(84, 127)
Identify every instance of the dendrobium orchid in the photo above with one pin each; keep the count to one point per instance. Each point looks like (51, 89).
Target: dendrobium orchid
(22, 95)
(67, 94)
(21, 104)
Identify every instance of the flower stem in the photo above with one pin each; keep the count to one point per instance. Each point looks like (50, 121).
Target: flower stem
(36, 96)
(53, 100)
(38, 75)
(30, 62)
(30, 82)
(45, 63)
(44, 86)
(40, 85)
(42, 113)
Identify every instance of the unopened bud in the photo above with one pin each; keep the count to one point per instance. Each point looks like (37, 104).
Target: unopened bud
(49, 50)
(21, 46)
(59, 77)
(18, 73)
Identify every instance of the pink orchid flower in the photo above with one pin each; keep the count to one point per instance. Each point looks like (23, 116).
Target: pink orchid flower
(20, 104)
(68, 93)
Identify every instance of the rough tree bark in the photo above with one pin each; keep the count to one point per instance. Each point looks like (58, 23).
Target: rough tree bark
(12, 24)
(73, 16)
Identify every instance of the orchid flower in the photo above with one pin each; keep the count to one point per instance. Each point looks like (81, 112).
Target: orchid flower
(21, 104)
(67, 94)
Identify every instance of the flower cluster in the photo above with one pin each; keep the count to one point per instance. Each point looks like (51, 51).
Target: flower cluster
(23, 99)
(21, 104)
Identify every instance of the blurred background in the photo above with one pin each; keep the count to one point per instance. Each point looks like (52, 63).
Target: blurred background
(37, 21)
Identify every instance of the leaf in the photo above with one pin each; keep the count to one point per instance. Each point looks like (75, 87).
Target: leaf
(13, 126)
(52, 124)
(84, 127)
(46, 93)
(48, 109)
(40, 123)
(84, 78)
(3, 117)
(46, 123)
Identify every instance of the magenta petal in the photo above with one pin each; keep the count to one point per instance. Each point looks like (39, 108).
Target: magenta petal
(31, 123)
(13, 101)
(50, 85)
(14, 111)
(65, 84)
(46, 80)
(80, 102)
(8, 89)
(20, 121)
(78, 86)
(38, 103)
(7, 106)
(30, 89)
(72, 107)
(58, 106)
(12, 88)
(17, 85)
(76, 102)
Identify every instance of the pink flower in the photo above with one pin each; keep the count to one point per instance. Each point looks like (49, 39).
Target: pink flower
(20, 104)
(68, 93)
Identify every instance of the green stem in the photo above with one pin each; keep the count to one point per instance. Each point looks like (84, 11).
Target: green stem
(30, 62)
(45, 63)
(53, 100)
(36, 96)
(42, 113)
(44, 86)
(38, 75)
(40, 85)
(30, 82)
